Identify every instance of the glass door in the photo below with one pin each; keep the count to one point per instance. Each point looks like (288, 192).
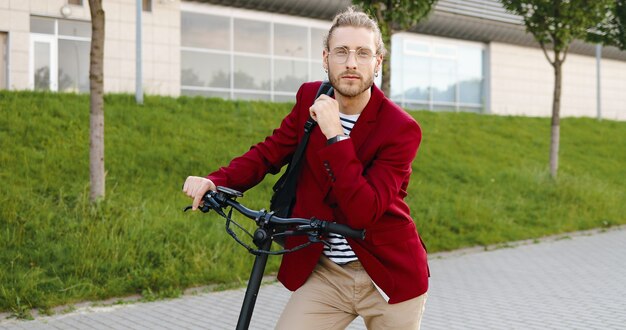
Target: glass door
(43, 63)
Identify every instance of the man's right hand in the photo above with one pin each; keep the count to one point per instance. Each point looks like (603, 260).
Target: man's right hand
(195, 187)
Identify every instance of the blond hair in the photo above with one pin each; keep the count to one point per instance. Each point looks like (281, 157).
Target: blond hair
(358, 19)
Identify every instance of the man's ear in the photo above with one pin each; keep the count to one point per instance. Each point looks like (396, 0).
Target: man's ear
(379, 61)
(325, 59)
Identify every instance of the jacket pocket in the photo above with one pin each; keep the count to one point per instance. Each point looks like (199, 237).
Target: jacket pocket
(395, 234)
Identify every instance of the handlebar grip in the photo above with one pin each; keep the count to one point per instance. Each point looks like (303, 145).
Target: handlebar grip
(344, 230)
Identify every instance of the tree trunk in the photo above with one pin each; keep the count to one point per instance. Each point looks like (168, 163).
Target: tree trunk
(96, 118)
(386, 78)
(556, 108)
(386, 31)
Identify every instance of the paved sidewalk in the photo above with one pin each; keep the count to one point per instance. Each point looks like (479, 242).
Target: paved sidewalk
(571, 283)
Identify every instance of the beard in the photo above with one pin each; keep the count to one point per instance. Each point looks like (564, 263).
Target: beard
(350, 89)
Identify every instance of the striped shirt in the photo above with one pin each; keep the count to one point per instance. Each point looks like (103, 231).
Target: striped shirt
(339, 250)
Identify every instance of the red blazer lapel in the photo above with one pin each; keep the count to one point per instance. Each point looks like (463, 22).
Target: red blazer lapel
(359, 134)
(367, 119)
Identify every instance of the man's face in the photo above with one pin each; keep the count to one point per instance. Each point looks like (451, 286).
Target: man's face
(351, 60)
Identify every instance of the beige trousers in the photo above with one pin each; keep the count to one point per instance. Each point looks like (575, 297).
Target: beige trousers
(334, 295)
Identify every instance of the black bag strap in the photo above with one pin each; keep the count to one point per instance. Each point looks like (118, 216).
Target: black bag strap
(293, 167)
(285, 187)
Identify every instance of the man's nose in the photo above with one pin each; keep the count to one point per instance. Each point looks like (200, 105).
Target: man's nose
(351, 61)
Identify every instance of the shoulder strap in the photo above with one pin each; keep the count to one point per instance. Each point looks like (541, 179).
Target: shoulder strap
(325, 88)
(285, 187)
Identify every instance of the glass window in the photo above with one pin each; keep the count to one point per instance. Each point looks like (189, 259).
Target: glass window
(471, 109)
(204, 69)
(416, 47)
(443, 79)
(470, 62)
(289, 75)
(445, 50)
(415, 106)
(252, 36)
(247, 57)
(317, 43)
(252, 96)
(416, 80)
(252, 73)
(470, 75)
(205, 31)
(442, 75)
(290, 40)
(317, 71)
(471, 91)
(285, 98)
(444, 107)
(68, 68)
(42, 66)
(74, 65)
(74, 28)
(42, 25)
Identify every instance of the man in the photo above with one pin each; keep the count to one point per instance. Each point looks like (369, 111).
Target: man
(355, 171)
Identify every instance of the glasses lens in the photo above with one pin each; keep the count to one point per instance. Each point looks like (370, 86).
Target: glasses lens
(362, 55)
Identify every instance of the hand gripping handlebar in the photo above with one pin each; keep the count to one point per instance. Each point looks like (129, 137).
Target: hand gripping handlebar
(315, 228)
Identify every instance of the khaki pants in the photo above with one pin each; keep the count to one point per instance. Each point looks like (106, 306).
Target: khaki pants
(334, 295)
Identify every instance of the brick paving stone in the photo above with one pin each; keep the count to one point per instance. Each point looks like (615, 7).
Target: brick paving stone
(574, 283)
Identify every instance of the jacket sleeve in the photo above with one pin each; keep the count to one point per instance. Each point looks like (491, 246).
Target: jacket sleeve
(247, 170)
(365, 194)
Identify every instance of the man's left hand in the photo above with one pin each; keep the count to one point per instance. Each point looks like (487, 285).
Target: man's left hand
(325, 111)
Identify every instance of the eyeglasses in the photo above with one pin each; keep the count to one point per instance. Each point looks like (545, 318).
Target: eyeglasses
(363, 56)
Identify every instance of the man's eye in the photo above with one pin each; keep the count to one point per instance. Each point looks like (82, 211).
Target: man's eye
(341, 52)
(364, 53)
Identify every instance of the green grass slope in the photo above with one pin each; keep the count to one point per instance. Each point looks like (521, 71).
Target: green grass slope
(477, 180)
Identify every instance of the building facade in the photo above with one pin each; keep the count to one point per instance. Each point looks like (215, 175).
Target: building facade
(467, 56)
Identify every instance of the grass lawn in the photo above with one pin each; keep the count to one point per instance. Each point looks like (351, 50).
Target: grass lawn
(477, 180)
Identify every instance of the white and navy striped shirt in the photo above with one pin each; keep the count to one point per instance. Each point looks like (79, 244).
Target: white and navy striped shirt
(339, 250)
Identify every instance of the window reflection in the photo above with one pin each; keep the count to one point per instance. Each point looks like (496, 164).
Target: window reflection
(470, 75)
(74, 28)
(252, 73)
(205, 31)
(252, 36)
(264, 60)
(204, 69)
(285, 98)
(317, 43)
(73, 66)
(290, 40)
(71, 41)
(42, 66)
(317, 71)
(289, 75)
(416, 75)
(437, 76)
(41, 25)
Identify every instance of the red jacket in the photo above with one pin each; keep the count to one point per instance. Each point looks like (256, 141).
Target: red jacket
(360, 182)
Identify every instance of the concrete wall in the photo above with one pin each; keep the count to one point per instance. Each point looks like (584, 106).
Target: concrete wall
(522, 83)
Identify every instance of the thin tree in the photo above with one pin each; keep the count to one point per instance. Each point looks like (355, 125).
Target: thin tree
(394, 16)
(96, 89)
(555, 24)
